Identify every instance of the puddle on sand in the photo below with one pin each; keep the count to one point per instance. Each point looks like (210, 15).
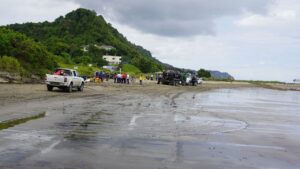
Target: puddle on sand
(11, 123)
(209, 125)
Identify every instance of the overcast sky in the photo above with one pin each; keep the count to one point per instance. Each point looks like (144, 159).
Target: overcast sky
(250, 39)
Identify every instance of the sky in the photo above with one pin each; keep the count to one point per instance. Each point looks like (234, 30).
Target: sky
(250, 39)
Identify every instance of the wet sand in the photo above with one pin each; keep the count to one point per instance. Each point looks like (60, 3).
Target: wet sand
(214, 125)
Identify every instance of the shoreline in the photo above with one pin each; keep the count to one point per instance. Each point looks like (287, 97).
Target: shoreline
(11, 93)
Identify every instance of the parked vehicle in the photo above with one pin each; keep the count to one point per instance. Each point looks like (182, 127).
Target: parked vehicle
(296, 81)
(193, 80)
(188, 79)
(66, 79)
(200, 80)
(171, 77)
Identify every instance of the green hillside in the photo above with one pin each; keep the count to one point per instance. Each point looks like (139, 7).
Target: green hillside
(68, 35)
(22, 55)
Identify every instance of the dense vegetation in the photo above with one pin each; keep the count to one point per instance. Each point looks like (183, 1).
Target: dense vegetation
(203, 73)
(67, 36)
(20, 54)
(131, 69)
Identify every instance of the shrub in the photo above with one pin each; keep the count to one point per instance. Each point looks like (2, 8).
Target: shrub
(31, 55)
(131, 69)
(11, 64)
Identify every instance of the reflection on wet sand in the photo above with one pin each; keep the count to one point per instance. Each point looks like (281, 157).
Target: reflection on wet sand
(223, 128)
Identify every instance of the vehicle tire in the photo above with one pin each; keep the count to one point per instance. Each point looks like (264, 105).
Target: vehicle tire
(70, 88)
(81, 87)
(49, 88)
(174, 83)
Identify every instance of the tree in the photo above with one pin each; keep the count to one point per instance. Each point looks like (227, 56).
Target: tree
(33, 56)
(99, 61)
(144, 64)
(203, 73)
(83, 60)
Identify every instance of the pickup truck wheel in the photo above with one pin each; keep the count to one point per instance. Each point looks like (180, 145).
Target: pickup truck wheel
(70, 88)
(81, 87)
(49, 88)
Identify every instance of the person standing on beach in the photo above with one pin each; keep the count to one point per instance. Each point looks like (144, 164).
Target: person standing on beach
(141, 79)
(115, 78)
(159, 79)
(194, 80)
(124, 75)
(107, 76)
(127, 78)
(119, 78)
(97, 76)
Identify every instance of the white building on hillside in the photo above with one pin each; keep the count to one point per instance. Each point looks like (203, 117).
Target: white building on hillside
(112, 59)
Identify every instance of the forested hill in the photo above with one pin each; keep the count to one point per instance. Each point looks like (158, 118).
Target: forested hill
(68, 35)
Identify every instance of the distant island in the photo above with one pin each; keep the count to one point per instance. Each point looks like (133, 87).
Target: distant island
(220, 75)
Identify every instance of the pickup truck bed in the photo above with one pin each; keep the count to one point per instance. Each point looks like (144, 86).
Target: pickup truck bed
(66, 79)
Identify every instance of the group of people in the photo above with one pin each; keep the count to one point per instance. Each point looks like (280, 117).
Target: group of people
(100, 76)
(150, 77)
(122, 78)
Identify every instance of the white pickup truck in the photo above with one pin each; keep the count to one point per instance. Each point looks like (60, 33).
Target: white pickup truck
(190, 82)
(66, 79)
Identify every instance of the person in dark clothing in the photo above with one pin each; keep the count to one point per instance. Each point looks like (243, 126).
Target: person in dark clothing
(159, 79)
(115, 78)
(107, 76)
(194, 80)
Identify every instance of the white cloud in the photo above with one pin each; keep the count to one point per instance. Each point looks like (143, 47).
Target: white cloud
(274, 17)
(280, 13)
(174, 18)
(20, 11)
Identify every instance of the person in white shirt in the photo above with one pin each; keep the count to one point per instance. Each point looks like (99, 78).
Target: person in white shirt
(127, 78)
